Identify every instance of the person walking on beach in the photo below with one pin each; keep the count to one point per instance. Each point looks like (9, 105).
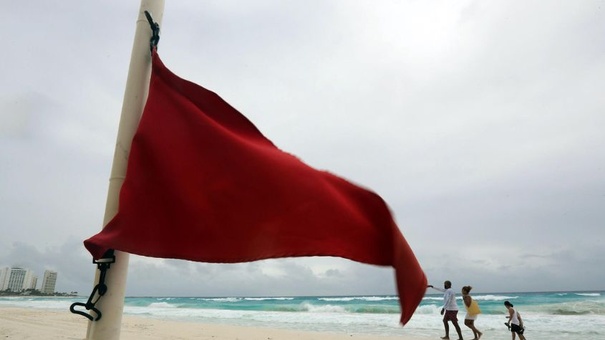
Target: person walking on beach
(449, 310)
(472, 310)
(515, 323)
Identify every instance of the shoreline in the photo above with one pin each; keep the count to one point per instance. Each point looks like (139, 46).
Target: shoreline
(33, 323)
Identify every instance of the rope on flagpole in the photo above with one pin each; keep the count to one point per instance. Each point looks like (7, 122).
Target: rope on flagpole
(155, 29)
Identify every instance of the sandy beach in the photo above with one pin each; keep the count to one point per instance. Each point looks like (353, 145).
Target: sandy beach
(23, 323)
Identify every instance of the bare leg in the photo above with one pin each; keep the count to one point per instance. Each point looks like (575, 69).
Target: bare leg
(447, 330)
(471, 324)
(458, 330)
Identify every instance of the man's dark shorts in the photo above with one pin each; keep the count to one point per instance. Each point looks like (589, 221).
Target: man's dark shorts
(516, 329)
(450, 315)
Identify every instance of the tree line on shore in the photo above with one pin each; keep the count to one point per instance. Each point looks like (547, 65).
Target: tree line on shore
(34, 292)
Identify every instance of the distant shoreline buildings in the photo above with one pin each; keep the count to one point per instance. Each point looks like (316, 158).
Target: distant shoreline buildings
(23, 281)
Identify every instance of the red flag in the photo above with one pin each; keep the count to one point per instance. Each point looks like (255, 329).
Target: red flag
(204, 184)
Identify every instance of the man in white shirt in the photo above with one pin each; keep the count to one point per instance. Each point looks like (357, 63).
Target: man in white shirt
(449, 310)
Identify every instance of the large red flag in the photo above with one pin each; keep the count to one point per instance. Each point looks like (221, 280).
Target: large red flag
(204, 184)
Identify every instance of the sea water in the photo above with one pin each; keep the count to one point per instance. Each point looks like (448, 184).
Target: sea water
(546, 315)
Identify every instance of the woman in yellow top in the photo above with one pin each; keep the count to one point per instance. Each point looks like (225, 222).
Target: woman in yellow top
(472, 310)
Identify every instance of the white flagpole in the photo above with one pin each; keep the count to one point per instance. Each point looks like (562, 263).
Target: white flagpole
(137, 85)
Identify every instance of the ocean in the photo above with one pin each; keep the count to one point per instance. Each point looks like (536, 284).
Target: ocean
(547, 315)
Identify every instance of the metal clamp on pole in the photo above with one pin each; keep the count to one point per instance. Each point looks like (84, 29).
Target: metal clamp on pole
(99, 290)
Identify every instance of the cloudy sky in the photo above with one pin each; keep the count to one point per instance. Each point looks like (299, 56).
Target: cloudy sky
(479, 122)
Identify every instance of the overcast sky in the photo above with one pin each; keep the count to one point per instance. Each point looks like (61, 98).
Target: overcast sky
(481, 123)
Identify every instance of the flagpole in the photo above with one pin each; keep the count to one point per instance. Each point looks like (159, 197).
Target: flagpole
(137, 85)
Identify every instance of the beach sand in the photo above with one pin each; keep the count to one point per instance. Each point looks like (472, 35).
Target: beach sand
(23, 323)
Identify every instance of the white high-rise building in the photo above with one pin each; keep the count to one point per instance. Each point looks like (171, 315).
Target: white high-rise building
(4, 276)
(16, 279)
(20, 279)
(32, 282)
(48, 282)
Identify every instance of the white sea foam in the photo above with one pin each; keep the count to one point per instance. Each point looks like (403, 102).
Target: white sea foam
(322, 309)
(223, 299)
(428, 309)
(588, 294)
(433, 298)
(484, 297)
(490, 297)
(161, 305)
(268, 298)
(360, 298)
(337, 299)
